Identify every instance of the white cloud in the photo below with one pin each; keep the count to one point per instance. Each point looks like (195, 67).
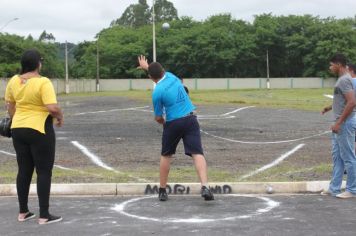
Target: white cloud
(79, 20)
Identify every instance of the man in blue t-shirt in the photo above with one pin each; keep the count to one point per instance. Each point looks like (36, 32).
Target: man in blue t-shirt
(180, 122)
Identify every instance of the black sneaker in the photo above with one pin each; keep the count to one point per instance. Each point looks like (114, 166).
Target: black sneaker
(51, 219)
(162, 194)
(206, 194)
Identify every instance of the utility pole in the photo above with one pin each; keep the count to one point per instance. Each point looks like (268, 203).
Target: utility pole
(97, 85)
(66, 68)
(267, 60)
(154, 32)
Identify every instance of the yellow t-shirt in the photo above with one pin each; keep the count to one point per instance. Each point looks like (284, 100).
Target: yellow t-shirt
(30, 96)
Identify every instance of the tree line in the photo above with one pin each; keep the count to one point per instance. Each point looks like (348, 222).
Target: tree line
(12, 48)
(298, 46)
(220, 46)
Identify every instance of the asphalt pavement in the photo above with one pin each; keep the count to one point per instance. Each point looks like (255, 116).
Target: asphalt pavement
(229, 214)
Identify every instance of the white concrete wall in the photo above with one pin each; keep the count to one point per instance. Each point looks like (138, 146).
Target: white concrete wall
(88, 85)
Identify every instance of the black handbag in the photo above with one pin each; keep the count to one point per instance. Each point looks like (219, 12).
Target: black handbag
(5, 127)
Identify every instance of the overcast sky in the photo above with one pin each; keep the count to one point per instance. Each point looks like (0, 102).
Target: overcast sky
(79, 20)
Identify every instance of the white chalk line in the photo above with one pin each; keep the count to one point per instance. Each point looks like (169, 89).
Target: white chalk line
(76, 170)
(96, 160)
(93, 157)
(214, 117)
(112, 110)
(144, 109)
(61, 138)
(329, 96)
(222, 116)
(274, 163)
(239, 109)
(64, 168)
(7, 153)
(270, 204)
(57, 166)
(267, 142)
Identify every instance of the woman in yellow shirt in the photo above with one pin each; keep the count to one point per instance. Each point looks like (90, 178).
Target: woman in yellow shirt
(32, 104)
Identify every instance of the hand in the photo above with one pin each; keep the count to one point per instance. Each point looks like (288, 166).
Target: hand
(335, 128)
(160, 120)
(326, 109)
(59, 122)
(142, 61)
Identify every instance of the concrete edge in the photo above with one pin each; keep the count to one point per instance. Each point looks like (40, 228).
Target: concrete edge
(174, 188)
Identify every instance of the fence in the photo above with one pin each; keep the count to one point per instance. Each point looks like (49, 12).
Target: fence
(88, 85)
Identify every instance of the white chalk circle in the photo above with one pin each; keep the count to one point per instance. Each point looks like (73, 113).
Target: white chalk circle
(270, 204)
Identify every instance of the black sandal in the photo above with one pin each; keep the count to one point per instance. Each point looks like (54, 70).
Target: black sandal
(28, 216)
(51, 219)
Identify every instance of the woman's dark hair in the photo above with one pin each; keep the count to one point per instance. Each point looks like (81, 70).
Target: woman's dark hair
(30, 61)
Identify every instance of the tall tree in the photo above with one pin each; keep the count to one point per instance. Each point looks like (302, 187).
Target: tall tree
(165, 11)
(135, 15)
(12, 47)
(46, 37)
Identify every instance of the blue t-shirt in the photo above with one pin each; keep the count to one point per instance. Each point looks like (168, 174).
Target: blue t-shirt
(170, 96)
(354, 83)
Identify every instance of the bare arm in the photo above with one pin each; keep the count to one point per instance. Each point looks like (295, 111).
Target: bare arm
(11, 108)
(56, 112)
(350, 104)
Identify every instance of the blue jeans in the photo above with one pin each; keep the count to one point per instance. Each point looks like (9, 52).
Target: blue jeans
(343, 153)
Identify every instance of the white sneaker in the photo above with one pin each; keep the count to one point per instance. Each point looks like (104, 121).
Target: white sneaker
(345, 195)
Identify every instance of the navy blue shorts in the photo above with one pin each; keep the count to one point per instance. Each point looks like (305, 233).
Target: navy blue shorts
(186, 128)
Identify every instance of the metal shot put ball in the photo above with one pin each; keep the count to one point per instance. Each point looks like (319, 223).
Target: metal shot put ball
(165, 26)
(269, 190)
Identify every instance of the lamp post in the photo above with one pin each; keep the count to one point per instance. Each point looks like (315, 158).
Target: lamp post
(66, 59)
(267, 61)
(154, 32)
(165, 26)
(97, 84)
(14, 19)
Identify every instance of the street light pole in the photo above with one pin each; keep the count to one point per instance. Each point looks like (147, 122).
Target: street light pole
(66, 62)
(97, 85)
(267, 61)
(14, 19)
(154, 32)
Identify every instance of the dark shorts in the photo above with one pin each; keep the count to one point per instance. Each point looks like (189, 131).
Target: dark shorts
(186, 128)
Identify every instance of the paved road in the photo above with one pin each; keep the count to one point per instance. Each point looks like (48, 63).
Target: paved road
(123, 136)
(189, 215)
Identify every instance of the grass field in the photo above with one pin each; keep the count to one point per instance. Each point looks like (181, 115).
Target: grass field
(302, 99)
(177, 175)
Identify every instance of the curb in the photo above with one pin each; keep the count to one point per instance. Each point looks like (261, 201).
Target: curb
(115, 189)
